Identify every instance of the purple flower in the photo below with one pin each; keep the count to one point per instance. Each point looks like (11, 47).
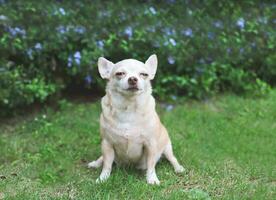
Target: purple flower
(104, 13)
(80, 29)
(174, 97)
(128, 31)
(169, 31)
(201, 61)
(211, 35)
(77, 57)
(151, 29)
(62, 29)
(172, 41)
(88, 79)
(38, 46)
(166, 43)
(100, 44)
(218, 24)
(253, 44)
(30, 53)
(240, 23)
(122, 16)
(262, 20)
(171, 60)
(199, 70)
(170, 1)
(169, 107)
(17, 31)
(62, 11)
(3, 17)
(20, 31)
(152, 10)
(209, 60)
(268, 34)
(241, 50)
(190, 12)
(187, 32)
(156, 44)
(229, 50)
(69, 62)
(12, 32)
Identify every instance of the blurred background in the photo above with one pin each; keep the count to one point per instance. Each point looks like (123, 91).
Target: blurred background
(48, 48)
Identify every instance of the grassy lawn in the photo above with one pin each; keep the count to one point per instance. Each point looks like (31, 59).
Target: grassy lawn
(227, 145)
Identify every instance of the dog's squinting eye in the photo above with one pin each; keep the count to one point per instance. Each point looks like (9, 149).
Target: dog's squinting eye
(120, 73)
(144, 74)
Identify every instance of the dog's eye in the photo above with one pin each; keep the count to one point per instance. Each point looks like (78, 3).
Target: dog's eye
(120, 73)
(144, 74)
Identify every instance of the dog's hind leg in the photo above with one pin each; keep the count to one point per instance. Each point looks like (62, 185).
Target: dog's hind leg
(168, 152)
(96, 163)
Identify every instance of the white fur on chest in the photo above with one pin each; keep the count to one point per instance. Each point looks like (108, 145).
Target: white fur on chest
(125, 127)
(126, 136)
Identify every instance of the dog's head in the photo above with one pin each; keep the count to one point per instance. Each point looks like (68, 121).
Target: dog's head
(130, 76)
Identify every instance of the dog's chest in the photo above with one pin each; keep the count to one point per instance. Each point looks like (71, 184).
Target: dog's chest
(127, 125)
(126, 135)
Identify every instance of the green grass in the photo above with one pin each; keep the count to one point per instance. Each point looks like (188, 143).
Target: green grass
(227, 146)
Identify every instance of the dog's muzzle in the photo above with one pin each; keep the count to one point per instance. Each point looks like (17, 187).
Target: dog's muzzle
(132, 81)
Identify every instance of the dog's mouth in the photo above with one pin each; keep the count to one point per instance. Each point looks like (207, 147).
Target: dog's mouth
(133, 89)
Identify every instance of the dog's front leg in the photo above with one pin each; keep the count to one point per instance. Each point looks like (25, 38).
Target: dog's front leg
(152, 159)
(108, 158)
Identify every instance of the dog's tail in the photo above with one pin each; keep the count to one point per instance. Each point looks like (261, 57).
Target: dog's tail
(96, 163)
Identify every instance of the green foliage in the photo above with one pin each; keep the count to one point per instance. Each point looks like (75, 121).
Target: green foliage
(17, 89)
(204, 47)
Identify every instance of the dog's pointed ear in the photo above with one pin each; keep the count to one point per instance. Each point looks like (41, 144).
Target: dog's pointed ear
(152, 65)
(105, 67)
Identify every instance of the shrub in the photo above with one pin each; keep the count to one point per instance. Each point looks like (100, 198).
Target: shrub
(204, 47)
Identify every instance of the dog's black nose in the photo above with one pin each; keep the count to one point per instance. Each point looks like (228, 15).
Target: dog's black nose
(132, 80)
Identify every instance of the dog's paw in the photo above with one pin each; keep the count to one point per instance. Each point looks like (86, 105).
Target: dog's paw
(103, 177)
(153, 180)
(179, 169)
(93, 164)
